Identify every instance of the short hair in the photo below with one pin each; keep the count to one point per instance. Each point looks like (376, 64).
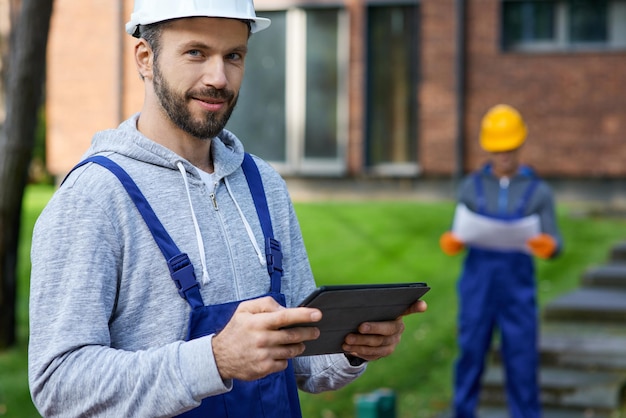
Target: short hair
(152, 33)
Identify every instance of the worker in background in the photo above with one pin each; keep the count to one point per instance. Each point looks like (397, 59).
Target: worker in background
(505, 215)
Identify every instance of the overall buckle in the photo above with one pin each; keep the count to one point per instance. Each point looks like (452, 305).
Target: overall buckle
(183, 274)
(273, 255)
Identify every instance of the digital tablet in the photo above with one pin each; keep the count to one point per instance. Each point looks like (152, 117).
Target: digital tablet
(345, 307)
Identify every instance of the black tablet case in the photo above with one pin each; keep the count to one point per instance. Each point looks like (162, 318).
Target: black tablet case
(344, 308)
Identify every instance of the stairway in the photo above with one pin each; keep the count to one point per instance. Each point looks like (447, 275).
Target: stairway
(582, 350)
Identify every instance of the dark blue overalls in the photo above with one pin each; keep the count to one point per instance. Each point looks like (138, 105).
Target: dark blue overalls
(497, 289)
(276, 395)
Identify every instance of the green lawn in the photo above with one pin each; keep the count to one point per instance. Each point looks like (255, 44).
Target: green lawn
(367, 242)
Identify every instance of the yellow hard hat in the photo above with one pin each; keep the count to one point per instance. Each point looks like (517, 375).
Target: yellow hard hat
(502, 129)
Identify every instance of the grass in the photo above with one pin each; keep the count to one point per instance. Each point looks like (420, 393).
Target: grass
(397, 241)
(367, 242)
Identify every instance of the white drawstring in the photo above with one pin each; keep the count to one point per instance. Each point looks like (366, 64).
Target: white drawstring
(205, 273)
(246, 224)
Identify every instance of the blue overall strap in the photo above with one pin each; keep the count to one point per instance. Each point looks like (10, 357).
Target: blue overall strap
(180, 266)
(274, 258)
(481, 202)
(525, 199)
(273, 253)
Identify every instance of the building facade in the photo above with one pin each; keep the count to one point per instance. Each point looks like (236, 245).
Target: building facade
(4, 47)
(368, 89)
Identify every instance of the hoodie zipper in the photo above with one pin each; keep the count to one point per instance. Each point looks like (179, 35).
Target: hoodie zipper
(221, 222)
(214, 199)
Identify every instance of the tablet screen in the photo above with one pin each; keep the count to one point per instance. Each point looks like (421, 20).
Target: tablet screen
(345, 307)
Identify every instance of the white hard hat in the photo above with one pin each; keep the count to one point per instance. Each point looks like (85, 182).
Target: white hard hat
(153, 11)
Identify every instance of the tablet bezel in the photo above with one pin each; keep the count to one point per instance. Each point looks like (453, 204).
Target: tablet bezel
(345, 307)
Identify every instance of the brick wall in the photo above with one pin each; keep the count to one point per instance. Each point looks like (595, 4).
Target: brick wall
(87, 54)
(574, 103)
(437, 98)
(4, 45)
(356, 134)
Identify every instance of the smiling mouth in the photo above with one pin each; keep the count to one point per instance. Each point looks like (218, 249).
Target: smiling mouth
(211, 99)
(210, 104)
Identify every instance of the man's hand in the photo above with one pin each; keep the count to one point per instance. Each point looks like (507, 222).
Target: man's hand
(254, 344)
(379, 339)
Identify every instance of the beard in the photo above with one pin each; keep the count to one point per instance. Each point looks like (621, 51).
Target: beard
(175, 106)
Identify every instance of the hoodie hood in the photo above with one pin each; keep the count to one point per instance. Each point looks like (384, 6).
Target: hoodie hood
(226, 149)
(227, 153)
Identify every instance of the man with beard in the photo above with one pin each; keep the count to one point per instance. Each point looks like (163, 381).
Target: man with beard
(162, 283)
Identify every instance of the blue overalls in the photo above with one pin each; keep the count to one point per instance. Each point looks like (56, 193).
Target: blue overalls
(497, 289)
(276, 395)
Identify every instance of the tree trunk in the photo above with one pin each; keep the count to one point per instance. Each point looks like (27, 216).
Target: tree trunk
(24, 87)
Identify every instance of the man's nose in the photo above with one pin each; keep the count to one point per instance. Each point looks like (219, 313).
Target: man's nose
(215, 73)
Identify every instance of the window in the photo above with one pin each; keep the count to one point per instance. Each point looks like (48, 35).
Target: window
(588, 21)
(536, 25)
(260, 117)
(391, 122)
(528, 22)
(293, 102)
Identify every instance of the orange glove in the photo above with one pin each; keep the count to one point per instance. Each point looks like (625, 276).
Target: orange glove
(542, 245)
(450, 244)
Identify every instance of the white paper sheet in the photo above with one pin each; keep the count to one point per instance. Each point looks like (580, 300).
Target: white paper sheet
(485, 232)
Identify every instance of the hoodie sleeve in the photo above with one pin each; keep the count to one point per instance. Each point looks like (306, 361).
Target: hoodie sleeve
(547, 215)
(316, 374)
(75, 366)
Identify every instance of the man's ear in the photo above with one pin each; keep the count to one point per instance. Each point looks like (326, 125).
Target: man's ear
(144, 59)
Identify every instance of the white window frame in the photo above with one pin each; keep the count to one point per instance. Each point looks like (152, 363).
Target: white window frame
(295, 99)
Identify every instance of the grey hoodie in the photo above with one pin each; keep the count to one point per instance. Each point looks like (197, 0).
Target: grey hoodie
(106, 321)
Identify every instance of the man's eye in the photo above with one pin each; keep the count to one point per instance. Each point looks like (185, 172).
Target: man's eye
(194, 53)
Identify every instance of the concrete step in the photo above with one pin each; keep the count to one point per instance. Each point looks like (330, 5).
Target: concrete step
(608, 275)
(588, 304)
(572, 390)
(501, 412)
(545, 413)
(583, 346)
(618, 253)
